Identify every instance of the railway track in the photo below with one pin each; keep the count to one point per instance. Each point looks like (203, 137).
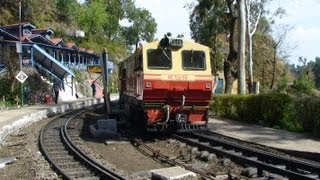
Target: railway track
(263, 161)
(164, 159)
(71, 162)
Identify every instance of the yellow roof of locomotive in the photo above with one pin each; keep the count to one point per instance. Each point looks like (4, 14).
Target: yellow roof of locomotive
(186, 45)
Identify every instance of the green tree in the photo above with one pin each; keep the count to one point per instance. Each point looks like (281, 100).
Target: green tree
(41, 13)
(303, 83)
(142, 26)
(66, 10)
(254, 10)
(207, 24)
(116, 10)
(207, 21)
(316, 71)
(8, 12)
(92, 16)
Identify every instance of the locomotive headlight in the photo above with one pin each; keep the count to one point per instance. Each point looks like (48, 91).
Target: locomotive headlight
(148, 84)
(208, 85)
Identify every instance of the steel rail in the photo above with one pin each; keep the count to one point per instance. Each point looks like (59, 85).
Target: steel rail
(165, 159)
(243, 155)
(105, 172)
(45, 150)
(65, 156)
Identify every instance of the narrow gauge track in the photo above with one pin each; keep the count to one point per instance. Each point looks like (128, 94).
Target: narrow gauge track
(263, 161)
(138, 143)
(66, 157)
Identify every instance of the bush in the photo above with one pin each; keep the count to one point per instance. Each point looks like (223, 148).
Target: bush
(10, 97)
(272, 110)
(307, 113)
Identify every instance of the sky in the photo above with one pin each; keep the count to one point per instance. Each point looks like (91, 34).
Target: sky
(303, 16)
(170, 15)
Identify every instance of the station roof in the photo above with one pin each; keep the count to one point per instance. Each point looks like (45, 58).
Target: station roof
(7, 36)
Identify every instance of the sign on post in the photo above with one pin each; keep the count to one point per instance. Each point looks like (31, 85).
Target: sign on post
(94, 68)
(21, 76)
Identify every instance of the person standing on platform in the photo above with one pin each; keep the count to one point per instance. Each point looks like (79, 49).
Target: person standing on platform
(56, 88)
(93, 86)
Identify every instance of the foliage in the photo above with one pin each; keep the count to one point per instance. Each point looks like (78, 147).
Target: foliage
(263, 63)
(207, 23)
(272, 110)
(113, 82)
(80, 79)
(35, 88)
(143, 27)
(92, 17)
(282, 84)
(304, 82)
(302, 85)
(66, 10)
(207, 20)
(8, 12)
(316, 71)
(307, 113)
(282, 111)
(10, 96)
(9, 85)
(264, 26)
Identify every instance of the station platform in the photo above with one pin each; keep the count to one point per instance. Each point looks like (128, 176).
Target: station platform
(14, 119)
(295, 143)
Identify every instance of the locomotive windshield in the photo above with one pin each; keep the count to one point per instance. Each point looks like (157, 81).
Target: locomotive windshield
(193, 60)
(159, 59)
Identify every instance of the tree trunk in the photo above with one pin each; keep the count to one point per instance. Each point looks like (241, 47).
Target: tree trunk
(250, 32)
(229, 77)
(274, 63)
(250, 63)
(242, 48)
(230, 74)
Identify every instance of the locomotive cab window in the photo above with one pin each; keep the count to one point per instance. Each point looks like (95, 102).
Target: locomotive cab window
(193, 60)
(159, 59)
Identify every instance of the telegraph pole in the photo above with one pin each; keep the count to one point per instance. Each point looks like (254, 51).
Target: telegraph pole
(106, 83)
(20, 52)
(241, 48)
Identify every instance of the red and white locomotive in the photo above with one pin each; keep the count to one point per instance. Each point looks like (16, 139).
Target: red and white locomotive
(167, 85)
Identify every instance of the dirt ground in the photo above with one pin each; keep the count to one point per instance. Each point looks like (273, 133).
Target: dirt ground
(120, 155)
(29, 164)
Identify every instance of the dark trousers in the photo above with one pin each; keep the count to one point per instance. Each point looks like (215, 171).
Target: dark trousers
(56, 96)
